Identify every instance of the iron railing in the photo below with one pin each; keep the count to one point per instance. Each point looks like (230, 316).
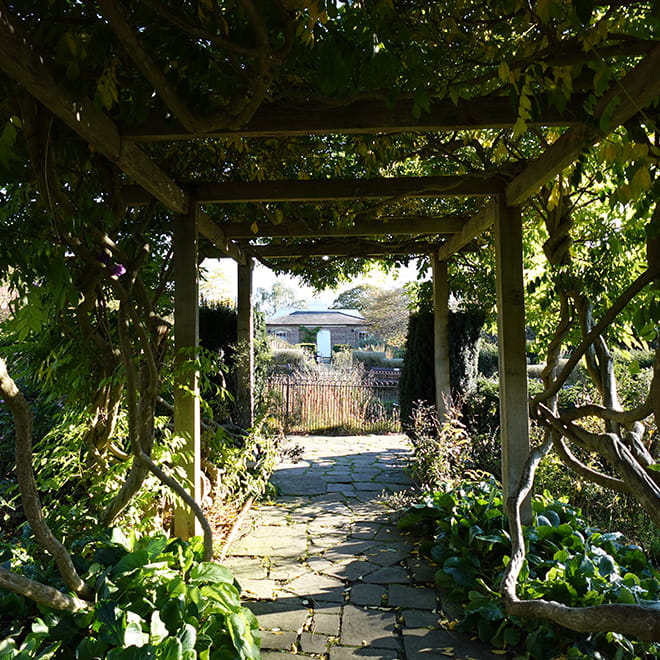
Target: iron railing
(328, 402)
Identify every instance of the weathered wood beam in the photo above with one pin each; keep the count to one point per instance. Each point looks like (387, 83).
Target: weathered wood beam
(514, 418)
(347, 189)
(21, 61)
(477, 224)
(211, 230)
(441, 361)
(339, 248)
(637, 89)
(187, 421)
(390, 226)
(245, 332)
(369, 116)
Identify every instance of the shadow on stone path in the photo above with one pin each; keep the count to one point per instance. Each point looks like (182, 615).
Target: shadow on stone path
(325, 569)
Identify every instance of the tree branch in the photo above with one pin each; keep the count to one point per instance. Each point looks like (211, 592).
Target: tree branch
(634, 620)
(41, 593)
(25, 476)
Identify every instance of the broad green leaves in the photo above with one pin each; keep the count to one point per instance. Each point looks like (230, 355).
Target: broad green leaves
(149, 606)
(567, 561)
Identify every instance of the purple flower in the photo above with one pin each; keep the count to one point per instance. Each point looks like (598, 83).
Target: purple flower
(117, 270)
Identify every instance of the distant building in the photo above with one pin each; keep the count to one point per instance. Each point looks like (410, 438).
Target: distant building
(329, 327)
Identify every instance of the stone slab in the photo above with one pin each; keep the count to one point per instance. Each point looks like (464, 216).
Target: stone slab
(279, 615)
(286, 570)
(388, 575)
(326, 623)
(430, 644)
(317, 587)
(351, 653)
(356, 569)
(314, 642)
(272, 541)
(283, 640)
(367, 594)
(262, 589)
(423, 572)
(412, 597)
(420, 619)
(364, 627)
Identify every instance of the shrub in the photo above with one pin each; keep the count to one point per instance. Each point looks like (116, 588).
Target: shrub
(155, 599)
(342, 348)
(418, 371)
(463, 533)
(488, 358)
(440, 451)
(294, 357)
(370, 358)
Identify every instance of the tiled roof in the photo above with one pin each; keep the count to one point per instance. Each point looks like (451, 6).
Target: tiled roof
(322, 317)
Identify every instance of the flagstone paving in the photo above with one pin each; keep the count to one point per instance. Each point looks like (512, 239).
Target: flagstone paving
(324, 568)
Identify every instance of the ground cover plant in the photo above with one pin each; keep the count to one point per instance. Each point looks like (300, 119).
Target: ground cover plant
(461, 529)
(155, 598)
(99, 96)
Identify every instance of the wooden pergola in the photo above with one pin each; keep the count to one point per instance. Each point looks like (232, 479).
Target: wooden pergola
(502, 196)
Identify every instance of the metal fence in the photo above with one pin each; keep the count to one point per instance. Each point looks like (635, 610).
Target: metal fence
(326, 402)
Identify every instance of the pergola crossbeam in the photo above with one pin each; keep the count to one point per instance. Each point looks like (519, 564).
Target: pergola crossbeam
(388, 226)
(348, 189)
(339, 248)
(639, 87)
(365, 116)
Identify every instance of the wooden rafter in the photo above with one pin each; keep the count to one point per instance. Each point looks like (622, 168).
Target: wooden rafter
(340, 248)
(639, 87)
(22, 62)
(286, 119)
(628, 96)
(387, 226)
(348, 189)
(316, 190)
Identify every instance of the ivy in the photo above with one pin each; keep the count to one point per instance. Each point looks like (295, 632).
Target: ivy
(464, 535)
(155, 599)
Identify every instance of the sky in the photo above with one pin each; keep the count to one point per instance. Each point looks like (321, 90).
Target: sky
(222, 276)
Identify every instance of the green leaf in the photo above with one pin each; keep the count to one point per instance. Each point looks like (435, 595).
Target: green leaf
(170, 649)
(133, 635)
(113, 618)
(130, 562)
(210, 572)
(187, 635)
(157, 629)
(90, 648)
(223, 595)
(242, 628)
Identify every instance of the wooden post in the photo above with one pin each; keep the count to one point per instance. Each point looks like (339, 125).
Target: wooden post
(186, 392)
(514, 416)
(245, 394)
(441, 336)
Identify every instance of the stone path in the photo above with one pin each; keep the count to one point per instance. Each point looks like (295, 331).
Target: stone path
(325, 569)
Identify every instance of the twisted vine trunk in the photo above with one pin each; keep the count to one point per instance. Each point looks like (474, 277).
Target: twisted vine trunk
(25, 476)
(620, 444)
